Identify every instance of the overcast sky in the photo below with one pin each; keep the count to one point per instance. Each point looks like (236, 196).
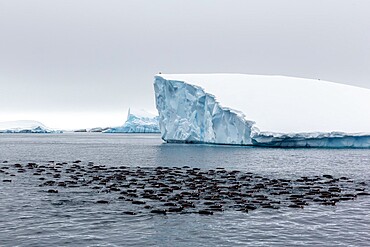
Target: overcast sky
(75, 63)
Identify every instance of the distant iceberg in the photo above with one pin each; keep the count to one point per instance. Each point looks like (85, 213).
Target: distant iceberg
(98, 129)
(138, 121)
(25, 126)
(270, 111)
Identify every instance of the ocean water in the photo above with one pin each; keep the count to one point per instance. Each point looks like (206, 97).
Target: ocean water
(31, 217)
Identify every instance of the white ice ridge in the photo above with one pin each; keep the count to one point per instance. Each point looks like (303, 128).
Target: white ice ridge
(275, 111)
(138, 121)
(25, 126)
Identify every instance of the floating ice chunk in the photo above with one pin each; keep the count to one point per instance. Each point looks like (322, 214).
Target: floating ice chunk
(138, 121)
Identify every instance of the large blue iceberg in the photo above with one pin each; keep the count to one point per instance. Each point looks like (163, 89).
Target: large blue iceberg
(269, 111)
(138, 121)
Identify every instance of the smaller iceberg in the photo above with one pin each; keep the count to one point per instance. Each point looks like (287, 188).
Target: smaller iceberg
(98, 129)
(25, 126)
(138, 121)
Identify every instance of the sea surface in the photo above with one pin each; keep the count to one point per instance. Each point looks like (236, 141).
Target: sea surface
(31, 217)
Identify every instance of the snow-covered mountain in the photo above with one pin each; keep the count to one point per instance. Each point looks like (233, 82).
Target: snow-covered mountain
(138, 121)
(258, 110)
(25, 126)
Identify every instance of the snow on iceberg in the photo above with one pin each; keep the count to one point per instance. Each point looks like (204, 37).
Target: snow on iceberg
(272, 111)
(138, 121)
(25, 126)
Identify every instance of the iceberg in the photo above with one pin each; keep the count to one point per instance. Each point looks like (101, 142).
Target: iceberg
(25, 126)
(258, 110)
(97, 129)
(138, 121)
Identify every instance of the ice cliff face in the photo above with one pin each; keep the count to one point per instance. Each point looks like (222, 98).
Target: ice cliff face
(188, 114)
(25, 126)
(138, 121)
(279, 111)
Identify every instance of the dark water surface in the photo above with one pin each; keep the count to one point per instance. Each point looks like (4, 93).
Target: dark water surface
(31, 217)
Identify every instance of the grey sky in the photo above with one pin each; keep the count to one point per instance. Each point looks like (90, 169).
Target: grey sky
(97, 58)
